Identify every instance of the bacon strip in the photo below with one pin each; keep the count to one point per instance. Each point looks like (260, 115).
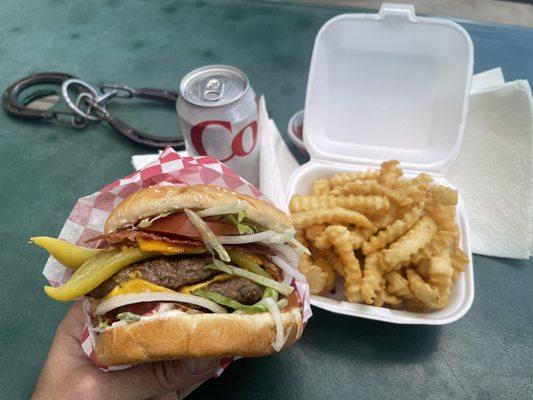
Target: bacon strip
(129, 235)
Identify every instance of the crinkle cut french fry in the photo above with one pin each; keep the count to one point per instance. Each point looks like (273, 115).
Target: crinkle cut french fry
(368, 205)
(439, 242)
(422, 181)
(459, 261)
(322, 241)
(415, 305)
(328, 269)
(444, 216)
(321, 187)
(416, 188)
(386, 219)
(384, 297)
(341, 178)
(393, 231)
(351, 271)
(398, 285)
(313, 231)
(334, 215)
(369, 187)
(421, 289)
(357, 237)
(316, 277)
(423, 268)
(372, 279)
(440, 275)
(333, 260)
(389, 173)
(444, 195)
(409, 244)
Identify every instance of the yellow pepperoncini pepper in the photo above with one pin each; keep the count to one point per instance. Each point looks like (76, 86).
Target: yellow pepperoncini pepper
(95, 271)
(66, 253)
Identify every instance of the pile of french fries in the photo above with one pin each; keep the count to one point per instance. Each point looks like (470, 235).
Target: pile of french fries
(393, 240)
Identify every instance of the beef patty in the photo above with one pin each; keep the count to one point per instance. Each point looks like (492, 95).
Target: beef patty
(239, 289)
(174, 272)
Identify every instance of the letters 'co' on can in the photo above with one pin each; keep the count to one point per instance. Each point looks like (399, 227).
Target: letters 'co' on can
(217, 111)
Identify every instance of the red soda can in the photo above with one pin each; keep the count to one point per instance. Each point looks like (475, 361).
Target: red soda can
(217, 112)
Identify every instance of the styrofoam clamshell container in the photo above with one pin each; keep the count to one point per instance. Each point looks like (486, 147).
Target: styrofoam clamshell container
(388, 86)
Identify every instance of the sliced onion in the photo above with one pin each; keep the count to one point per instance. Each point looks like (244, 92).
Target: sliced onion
(288, 252)
(281, 237)
(126, 299)
(255, 237)
(300, 248)
(265, 237)
(231, 208)
(210, 240)
(287, 268)
(276, 316)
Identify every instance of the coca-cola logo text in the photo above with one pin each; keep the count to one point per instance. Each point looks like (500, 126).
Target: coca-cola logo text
(237, 143)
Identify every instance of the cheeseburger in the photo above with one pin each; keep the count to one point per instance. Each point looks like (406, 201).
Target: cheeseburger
(186, 271)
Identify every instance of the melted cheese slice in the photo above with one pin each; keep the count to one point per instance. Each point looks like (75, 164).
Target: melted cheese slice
(192, 288)
(135, 285)
(160, 246)
(138, 285)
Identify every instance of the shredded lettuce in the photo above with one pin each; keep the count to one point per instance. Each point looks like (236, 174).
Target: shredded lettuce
(244, 228)
(269, 292)
(211, 241)
(102, 325)
(228, 302)
(129, 317)
(145, 223)
(242, 308)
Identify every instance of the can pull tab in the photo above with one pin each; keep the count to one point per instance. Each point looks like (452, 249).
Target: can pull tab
(214, 90)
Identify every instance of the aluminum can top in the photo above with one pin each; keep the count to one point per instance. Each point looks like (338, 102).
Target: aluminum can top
(214, 86)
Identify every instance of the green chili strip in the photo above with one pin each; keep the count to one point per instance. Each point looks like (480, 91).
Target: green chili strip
(246, 262)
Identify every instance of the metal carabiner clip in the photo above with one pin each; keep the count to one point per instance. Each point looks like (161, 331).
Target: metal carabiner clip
(125, 92)
(18, 109)
(96, 105)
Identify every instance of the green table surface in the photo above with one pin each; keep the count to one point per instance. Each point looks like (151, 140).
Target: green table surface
(47, 167)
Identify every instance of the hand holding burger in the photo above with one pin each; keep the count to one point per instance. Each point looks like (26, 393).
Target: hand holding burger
(69, 374)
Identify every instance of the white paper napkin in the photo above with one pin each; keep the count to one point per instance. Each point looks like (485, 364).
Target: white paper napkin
(276, 160)
(493, 171)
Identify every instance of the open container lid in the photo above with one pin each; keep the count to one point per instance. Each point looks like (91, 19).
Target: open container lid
(388, 86)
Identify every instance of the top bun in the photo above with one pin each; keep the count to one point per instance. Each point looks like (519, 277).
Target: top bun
(155, 200)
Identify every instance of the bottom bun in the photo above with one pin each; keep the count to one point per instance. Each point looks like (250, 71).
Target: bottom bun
(173, 336)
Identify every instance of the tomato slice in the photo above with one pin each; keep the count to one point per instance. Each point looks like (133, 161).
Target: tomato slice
(179, 224)
(293, 299)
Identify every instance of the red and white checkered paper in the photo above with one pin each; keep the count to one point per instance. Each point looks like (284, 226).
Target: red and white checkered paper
(89, 214)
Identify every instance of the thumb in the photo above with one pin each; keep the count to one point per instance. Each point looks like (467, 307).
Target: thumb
(148, 380)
